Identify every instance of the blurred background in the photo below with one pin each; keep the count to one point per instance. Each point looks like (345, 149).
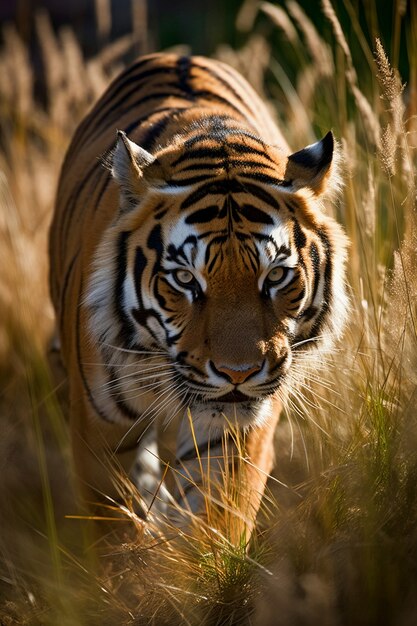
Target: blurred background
(337, 541)
(202, 25)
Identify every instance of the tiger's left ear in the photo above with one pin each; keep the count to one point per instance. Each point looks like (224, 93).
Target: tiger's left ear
(312, 166)
(132, 166)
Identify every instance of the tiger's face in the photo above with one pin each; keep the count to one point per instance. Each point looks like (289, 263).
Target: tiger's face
(228, 284)
(228, 276)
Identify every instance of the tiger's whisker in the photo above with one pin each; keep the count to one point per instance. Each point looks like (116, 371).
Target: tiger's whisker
(131, 351)
(149, 410)
(133, 397)
(117, 382)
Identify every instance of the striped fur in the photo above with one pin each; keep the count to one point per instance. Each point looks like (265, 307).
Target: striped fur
(191, 270)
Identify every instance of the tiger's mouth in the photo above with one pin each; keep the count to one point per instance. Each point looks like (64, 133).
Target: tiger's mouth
(234, 396)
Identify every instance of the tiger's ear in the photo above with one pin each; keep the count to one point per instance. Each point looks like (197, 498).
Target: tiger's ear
(132, 167)
(311, 167)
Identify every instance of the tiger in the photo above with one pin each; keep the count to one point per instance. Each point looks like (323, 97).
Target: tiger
(192, 264)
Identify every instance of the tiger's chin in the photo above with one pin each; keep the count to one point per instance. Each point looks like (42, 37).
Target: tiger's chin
(226, 413)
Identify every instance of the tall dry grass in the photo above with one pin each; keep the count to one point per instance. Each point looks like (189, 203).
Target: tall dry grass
(337, 536)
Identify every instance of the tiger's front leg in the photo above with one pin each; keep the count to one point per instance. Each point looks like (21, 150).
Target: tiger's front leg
(220, 475)
(103, 454)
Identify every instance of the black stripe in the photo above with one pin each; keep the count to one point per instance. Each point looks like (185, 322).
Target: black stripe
(80, 362)
(141, 314)
(202, 216)
(155, 130)
(117, 85)
(228, 186)
(151, 136)
(261, 194)
(101, 110)
(238, 78)
(124, 408)
(127, 330)
(205, 152)
(200, 166)
(300, 239)
(312, 309)
(192, 180)
(227, 84)
(236, 146)
(181, 358)
(108, 121)
(264, 178)
(66, 284)
(253, 165)
(328, 272)
(315, 263)
(183, 71)
(253, 254)
(204, 94)
(192, 453)
(155, 242)
(291, 205)
(218, 240)
(119, 111)
(173, 339)
(268, 238)
(103, 113)
(68, 213)
(299, 297)
(242, 147)
(254, 214)
(140, 264)
(219, 187)
(161, 214)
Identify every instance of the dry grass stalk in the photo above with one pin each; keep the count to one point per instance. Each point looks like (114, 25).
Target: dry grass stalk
(369, 205)
(329, 12)
(251, 60)
(54, 68)
(319, 50)
(393, 136)
(387, 150)
(16, 76)
(403, 289)
(246, 16)
(140, 25)
(76, 82)
(280, 18)
(370, 120)
(72, 82)
(114, 51)
(103, 20)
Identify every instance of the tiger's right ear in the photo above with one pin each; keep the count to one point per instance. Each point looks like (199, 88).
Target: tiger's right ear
(132, 166)
(314, 167)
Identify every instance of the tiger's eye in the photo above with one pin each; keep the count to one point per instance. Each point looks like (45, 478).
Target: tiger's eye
(276, 275)
(184, 277)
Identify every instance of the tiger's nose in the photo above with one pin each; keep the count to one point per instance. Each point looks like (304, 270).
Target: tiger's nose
(236, 376)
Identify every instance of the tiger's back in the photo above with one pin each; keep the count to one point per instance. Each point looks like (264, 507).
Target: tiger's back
(188, 270)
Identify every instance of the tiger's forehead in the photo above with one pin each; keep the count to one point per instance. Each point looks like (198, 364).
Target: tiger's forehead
(222, 232)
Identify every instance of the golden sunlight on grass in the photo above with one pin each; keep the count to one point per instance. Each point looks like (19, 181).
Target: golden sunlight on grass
(336, 539)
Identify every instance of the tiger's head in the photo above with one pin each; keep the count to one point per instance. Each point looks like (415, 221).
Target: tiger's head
(222, 258)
